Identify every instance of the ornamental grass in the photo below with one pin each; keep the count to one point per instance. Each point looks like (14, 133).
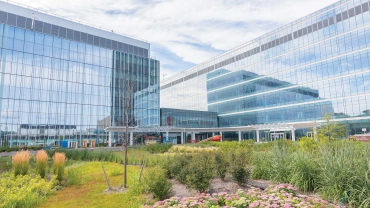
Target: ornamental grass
(59, 165)
(21, 162)
(41, 162)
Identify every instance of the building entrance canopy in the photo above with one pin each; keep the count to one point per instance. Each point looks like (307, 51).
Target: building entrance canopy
(271, 127)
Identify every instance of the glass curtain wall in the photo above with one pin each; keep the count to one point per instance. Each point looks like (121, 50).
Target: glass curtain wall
(317, 64)
(53, 88)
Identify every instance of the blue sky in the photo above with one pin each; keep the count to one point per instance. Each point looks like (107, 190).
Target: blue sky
(184, 33)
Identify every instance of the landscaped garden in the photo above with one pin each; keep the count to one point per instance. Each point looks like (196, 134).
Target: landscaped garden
(321, 172)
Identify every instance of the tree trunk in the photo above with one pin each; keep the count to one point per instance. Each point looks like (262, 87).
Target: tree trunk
(125, 162)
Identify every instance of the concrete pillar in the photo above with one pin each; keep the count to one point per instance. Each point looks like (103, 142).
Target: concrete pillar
(314, 131)
(213, 134)
(293, 134)
(221, 136)
(239, 136)
(192, 137)
(258, 135)
(167, 136)
(131, 138)
(109, 139)
(182, 137)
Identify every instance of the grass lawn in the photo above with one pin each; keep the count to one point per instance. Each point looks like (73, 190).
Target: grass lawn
(91, 194)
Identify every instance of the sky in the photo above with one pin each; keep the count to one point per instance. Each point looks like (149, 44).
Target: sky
(183, 33)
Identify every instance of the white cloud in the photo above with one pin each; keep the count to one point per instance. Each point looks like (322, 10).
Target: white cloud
(193, 30)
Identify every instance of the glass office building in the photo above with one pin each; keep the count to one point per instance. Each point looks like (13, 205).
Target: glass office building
(294, 74)
(60, 79)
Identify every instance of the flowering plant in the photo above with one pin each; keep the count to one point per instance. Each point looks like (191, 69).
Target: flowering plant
(282, 195)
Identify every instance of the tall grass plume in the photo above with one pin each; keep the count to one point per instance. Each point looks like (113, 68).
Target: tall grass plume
(41, 162)
(59, 165)
(21, 162)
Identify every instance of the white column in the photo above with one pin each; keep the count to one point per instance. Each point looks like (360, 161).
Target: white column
(221, 136)
(167, 135)
(293, 134)
(182, 137)
(109, 140)
(131, 138)
(192, 137)
(239, 136)
(213, 134)
(314, 131)
(258, 135)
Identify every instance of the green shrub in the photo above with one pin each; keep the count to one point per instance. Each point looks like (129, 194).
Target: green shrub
(246, 144)
(200, 171)
(240, 174)
(165, 163)
(308, 144)
(157, 148)
(157, 183)
(178, 166)
(239, 171)
(227, 145)
(221, 163)
(304, 171)
(24, 191)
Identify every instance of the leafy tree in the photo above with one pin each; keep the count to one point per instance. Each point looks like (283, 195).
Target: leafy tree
(331, 130)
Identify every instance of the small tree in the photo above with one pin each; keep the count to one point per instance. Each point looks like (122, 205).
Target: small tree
(128, 119)
(331, 130)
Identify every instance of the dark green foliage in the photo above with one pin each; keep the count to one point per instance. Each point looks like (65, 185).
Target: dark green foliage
(221, 163)
(178, 166)
(87, 155)
(157, 148)
(240, 174)
(239, 160)
(200, 171)
(157, 183)
(165, 163)
(14, 149)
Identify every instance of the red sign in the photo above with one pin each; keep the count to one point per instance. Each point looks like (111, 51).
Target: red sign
(170, 120)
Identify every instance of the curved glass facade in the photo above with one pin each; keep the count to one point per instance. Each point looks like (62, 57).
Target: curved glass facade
(54, 88)
(315, 65)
